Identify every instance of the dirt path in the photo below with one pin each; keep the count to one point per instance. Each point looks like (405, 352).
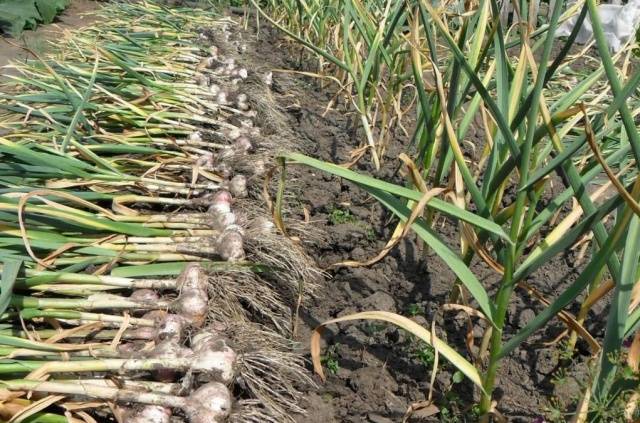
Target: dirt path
(75, 16)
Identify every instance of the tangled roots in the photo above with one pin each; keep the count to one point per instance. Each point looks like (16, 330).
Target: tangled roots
(252, 411)
(287, 262)
(271, 369)
(270, 117)
(242, 296)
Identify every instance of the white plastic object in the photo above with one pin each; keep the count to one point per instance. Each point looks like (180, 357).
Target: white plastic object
(619, 23)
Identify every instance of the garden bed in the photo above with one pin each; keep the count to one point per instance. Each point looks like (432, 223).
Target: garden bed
(149, 282)
(186, 146)
(377, 372)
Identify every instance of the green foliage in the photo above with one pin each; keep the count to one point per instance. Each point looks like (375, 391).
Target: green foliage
(454, 410)
(369, 233)
(18, 15)
(425, 354)
(338, 216)
(10, 269)
(72, 190)
(555, 411)
(414, 309)
(464, 67)
(50, 8)
(457, 377)
(559, 377)
(562, 406)
(330, 359)
(372, 328)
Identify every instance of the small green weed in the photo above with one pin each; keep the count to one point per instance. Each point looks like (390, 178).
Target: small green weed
(457, 377)
(369, 233)
(607, 409)
(332, 365)
(371, 328)
(555, 411)
(338, 216)
(453, 409)
(330, 359)
(559, 377)
(448, 416)
(565, 351)
(414, 310)
(425, 354)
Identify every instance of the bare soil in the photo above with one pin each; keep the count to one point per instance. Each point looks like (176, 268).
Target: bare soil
(375, 371)
(75, 16)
